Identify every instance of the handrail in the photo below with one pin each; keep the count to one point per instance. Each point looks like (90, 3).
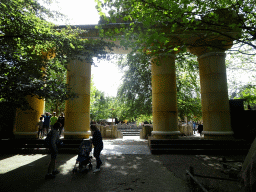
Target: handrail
(195, 180)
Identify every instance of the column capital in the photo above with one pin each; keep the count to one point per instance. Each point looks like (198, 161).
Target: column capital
(165, 54)
(202, 45)
(208, 54)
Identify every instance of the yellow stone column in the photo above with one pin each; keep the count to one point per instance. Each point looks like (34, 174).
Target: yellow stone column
(77, 112)
(214, 95)
(164, 99)
(26, 121)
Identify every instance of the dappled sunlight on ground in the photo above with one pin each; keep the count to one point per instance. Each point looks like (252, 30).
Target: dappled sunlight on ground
(215, 162)
(128, 166)
(16, 161)
(66, 167)
(206, 165)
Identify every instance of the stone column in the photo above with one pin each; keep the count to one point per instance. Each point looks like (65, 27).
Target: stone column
(77, 112)
(214, 96)
(164, 100)
(26, 121)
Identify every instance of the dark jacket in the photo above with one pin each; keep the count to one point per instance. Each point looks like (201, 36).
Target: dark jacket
(200, 128)
(97, 139)
(61, 120)
(54, 140)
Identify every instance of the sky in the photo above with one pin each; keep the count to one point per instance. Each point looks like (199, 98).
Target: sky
(106, 76)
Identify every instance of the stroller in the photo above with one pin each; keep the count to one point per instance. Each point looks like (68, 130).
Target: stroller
(84, 157)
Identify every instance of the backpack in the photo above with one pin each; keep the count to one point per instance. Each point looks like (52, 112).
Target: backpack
(47, 141)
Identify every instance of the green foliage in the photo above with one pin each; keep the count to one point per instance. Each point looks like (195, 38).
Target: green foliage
(248, 93)
(165, 26)
(144, 118)
(188, 88)
(56, 103)
(104, 107)
(32, 50)
(136, 90)
(152, 24)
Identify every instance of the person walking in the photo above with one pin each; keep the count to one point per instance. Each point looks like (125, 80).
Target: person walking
(61, 120)
(200, 129)
(98, 146)
(194, 127)
(53, 141)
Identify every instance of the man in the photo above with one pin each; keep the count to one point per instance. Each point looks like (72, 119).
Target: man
(47, 119)
(53, 140)
(53, 120)
(61, 120)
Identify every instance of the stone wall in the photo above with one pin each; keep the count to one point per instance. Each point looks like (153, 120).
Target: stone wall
(109, 131)
(186, 129)
(129, 126)
(146, 131)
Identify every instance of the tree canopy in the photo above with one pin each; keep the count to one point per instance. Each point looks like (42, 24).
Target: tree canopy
(136, 90)
(166, 25)
(32, 50)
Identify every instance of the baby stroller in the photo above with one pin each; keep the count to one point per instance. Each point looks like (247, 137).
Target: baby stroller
(84, 157)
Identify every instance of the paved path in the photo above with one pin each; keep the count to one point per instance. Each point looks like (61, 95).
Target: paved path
(128, 166)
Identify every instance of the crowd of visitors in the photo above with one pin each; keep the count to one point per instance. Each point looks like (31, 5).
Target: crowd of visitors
(46, 123)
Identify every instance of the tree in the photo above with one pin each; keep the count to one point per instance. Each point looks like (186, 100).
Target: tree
(100, 105)
(248, 93)
(103, 107)
(56, 104)
(166, 25)
(136, 90)
(32, 50)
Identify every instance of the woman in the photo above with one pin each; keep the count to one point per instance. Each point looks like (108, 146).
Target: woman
(98, 146)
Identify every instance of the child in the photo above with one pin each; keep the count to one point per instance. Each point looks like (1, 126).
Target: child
(40, 128)
(98, 146)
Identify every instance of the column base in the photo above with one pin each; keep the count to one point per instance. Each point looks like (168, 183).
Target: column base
(219, 135)
(77, 135)
(26, 135)
(165, 134)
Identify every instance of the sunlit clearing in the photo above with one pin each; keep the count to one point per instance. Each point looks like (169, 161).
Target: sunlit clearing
(68, 166)
(14, 162)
